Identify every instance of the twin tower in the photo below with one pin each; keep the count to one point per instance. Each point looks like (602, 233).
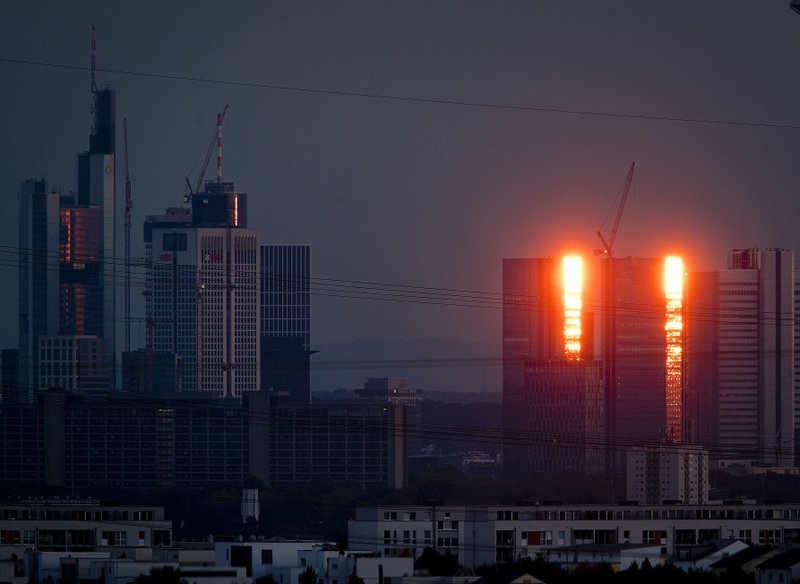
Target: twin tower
(603, 357)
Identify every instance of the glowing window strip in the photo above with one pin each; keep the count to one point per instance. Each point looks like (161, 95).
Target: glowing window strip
(572, 272)
(673, 293)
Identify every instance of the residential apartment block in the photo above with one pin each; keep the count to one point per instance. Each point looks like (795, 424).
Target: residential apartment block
(484, 535)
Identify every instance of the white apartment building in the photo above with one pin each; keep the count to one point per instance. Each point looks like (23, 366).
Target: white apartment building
(484, 535)
(667, 473)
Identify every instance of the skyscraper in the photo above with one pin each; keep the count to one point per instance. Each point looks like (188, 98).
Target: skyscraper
(202, 291)
(552, 389)
(568, 397)
(38, 273)
(639, 386)
(701, 422)
(742, 384)
(67, 283)
(757, 356)
(286, 322)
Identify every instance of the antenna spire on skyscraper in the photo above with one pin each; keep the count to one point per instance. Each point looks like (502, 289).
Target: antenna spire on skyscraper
(94, 62)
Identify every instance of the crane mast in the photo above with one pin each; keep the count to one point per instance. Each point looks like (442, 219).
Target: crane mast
(608, 245)
(216, 140)
(128, 209)
(609, 325)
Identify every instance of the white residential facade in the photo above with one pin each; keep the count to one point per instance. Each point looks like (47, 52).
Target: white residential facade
(667, 473)
(484, 535)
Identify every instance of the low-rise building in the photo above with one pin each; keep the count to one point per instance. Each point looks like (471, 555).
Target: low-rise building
(485, 535)
(39, 535)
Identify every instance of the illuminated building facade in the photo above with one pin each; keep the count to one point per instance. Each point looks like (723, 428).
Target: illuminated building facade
(568, 397)
(67, 274)
(202, 291)
(673, 291)
(551, 386)
(286, 322)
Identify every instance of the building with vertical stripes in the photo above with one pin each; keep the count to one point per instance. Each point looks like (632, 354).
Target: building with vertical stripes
(286, 322)
(202, 291)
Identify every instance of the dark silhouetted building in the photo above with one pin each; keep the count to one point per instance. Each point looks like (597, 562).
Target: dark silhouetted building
(286, 323)
(120, 439)
(639, 387)
(144, 371)
(67, 273)
(9, 376)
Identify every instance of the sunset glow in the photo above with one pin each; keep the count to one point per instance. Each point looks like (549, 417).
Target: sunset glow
(572, 271)
(673, 293)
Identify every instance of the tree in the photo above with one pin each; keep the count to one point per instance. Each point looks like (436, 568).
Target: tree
(308, 577)
(436, 563)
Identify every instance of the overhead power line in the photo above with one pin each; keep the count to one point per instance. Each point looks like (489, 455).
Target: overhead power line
(412, 98)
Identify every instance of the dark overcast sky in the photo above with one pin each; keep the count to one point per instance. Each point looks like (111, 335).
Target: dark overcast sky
(416, 193)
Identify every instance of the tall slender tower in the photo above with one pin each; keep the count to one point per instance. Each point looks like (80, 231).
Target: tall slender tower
(96, 192)
(67, 273)
(38, 273)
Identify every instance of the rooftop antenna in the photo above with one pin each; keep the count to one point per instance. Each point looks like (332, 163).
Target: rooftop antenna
(94, 84)
(94, 61)
(220, 115)
(128, 209)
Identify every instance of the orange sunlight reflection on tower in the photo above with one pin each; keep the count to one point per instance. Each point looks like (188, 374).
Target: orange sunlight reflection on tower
(673, 292)
(572, 270)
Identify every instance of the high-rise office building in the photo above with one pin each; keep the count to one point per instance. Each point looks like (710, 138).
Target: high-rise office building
(202, 291)
(701, 421)
(757, 356)
(640, 346)
(38, 272)
(592, 360)
(67, 275)
(552, 389)
(286, 323)
(9, 376)
(742, 359)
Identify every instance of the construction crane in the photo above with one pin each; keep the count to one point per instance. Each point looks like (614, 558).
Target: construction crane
(128, 209)
(609, 325)
(215, 139)
(608, 245)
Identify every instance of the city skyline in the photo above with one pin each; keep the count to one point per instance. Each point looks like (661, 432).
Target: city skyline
(431, 194)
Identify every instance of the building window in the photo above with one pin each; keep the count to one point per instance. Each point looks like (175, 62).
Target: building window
(115, 538)
(266, 557)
